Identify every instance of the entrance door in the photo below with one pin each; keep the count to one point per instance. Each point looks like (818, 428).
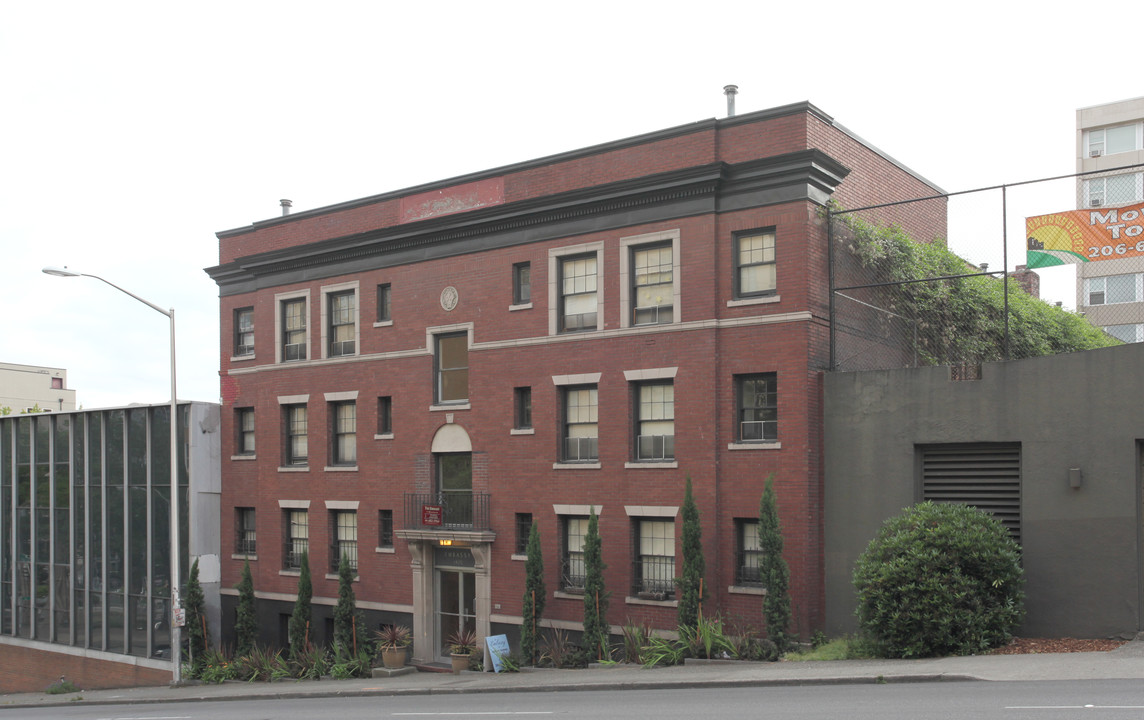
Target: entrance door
(455, 488)
(456, 605)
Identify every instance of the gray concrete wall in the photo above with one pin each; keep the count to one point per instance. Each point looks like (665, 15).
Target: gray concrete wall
(1081, 547)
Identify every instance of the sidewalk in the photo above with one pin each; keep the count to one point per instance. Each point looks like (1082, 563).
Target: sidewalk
(1125, 662)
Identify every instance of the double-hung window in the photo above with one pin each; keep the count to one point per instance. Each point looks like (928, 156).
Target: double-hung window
(522, 408)
(653, 288)
(452, 368)
(1126, 333)
(383, 302)
(244, 422)
(342, 319)
(297, 538)
(244, 332)
(1114, 190)
(1112, 289)
(523, 530)
(296, 432)
(577, 298)
(343, 435)
(343, 538)
(1111, 140)
(654, 572)
(755, 274)
(655, 423)
(385, 415)
(756, 398)
(293, 329)
(245, 536)
(573, 530)
(748, 552)
(521, 283)
(581, 428)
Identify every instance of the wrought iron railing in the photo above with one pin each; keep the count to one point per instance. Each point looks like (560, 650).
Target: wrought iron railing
(447, 511)
(653, 577)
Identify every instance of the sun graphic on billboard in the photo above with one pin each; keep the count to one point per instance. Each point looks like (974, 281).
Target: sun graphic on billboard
(1079, 236)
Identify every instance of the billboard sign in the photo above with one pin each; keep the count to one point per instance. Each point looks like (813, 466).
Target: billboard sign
(1080, 236)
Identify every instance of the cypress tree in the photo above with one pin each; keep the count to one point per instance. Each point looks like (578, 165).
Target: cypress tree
(691, 590)
(535, 595)
(595, 639)
(245, 623)
(345, 611)
(300, 619)
(773, 570)
(196, 619)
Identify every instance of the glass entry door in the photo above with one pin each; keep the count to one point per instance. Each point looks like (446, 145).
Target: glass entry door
(456, 606)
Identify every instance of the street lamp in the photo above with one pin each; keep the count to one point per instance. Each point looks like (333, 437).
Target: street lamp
(176, 631)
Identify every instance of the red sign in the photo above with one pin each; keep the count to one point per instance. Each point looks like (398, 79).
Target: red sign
(431, 514)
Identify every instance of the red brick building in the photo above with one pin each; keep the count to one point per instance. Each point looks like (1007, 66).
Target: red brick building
(413, 378)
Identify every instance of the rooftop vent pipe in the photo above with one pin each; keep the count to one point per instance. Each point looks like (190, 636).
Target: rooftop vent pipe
(984, 267)
(730, 91)
(286, 205)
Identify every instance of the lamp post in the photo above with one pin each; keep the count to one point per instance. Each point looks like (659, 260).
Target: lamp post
(176, 631)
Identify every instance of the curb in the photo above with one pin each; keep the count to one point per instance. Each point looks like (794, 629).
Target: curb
(490, 690)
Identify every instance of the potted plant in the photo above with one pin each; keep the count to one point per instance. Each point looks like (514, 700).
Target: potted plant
(393, 639)
(461, 645)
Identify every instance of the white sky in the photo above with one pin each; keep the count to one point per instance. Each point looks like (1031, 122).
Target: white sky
(131, 132)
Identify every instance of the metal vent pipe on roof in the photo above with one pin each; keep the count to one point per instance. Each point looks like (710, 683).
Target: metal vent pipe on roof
(286, 205)
(730, 91)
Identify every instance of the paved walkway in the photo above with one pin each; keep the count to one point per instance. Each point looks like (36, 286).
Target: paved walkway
(1125, 662)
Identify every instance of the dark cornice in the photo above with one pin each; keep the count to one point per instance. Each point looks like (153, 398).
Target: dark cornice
(612, 146)
(805, 175)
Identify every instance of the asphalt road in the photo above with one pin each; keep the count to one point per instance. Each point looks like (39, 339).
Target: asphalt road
(1103, 699)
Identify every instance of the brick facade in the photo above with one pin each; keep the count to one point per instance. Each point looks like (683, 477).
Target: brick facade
(699, 186)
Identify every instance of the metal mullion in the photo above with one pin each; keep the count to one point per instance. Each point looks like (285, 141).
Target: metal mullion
(103, 631)
(125, 563)
(149, 535)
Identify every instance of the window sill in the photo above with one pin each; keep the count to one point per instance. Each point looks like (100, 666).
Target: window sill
(755, 446)
(244, 556)
(746, 590)
(522, 306)
(522, 431)
(294, 468)
(383, 323)
(383, 436)
(290, 573)
(243, 457)
(334, 576)
(518, 557)
(754, 301)
(655, 603)
(242, 358)
(651, 465)
(450, 408)
(340, 468)
(576, 466)
(387, 550)
(569, 594)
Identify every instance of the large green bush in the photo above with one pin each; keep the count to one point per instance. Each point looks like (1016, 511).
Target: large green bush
(940, 579)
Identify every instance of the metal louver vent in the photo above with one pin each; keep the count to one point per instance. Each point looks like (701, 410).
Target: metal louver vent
(986, 476)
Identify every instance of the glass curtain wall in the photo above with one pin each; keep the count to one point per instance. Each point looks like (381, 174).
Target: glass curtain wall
(84, 528)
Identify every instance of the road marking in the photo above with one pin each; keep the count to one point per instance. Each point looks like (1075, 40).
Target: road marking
(150, 717)
(504, 712)
(1074, 707)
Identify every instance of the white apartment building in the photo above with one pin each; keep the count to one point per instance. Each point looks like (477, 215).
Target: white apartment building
(1110, 138)
(23, 387)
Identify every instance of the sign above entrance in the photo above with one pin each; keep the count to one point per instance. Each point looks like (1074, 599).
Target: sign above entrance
(454, 557)
(431, 514)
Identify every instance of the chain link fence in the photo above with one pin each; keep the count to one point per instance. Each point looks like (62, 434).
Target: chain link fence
(942, 280)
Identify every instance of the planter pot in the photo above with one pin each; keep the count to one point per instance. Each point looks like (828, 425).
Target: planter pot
(460, 662)
(393, 657)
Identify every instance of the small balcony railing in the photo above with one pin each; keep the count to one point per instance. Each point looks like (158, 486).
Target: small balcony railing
(447, 511)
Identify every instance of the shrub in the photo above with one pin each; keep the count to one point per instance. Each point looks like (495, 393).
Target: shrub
(595, 637)
(939, 579)
(196, 619)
